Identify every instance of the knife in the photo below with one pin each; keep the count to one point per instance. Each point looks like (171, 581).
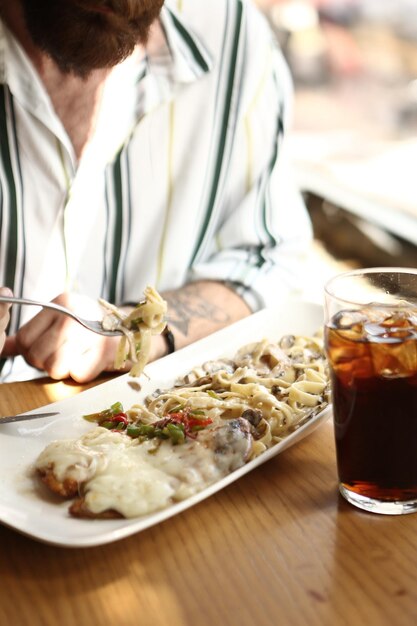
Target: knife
(21, 418)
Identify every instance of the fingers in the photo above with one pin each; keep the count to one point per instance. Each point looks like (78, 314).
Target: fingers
(96, 359)
(4, 315)
(41, 337)
(62, 348)
(50, 350)
(4, 308)
(10, 347)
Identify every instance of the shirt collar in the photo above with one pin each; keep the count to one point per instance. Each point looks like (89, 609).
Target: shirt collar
(183, 57)
(175, 56)
(17, 71)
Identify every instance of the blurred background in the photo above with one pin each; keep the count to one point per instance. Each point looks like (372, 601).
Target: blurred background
(354, 139)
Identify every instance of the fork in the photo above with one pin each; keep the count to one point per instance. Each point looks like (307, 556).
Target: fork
(93, 325)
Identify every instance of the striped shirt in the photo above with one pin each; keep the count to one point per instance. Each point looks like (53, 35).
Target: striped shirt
(184, 179)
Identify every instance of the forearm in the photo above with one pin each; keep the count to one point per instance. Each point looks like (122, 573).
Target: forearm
(197, 310)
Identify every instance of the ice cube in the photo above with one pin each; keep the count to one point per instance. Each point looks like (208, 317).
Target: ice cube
(350, 359)
(348, 320)
(395, 359)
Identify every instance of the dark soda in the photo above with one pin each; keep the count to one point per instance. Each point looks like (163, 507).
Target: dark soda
(372, 357)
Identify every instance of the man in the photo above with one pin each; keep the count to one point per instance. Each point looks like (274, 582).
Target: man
(140, 144)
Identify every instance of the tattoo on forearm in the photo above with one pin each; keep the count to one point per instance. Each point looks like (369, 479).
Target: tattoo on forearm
(189, 305)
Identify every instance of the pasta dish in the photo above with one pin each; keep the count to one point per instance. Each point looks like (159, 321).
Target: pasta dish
(213, 420)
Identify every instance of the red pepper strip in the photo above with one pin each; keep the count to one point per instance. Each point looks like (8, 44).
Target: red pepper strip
(199, 421)
(189, 422)
(178, 416)
(115, 420)
(120, 417)
(184, 416)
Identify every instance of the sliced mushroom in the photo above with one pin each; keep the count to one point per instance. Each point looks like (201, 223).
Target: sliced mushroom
(287, 342)
(253, 416)
(258, 425)
(190, 382)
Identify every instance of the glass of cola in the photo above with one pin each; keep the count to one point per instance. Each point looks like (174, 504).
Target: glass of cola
(371, 346)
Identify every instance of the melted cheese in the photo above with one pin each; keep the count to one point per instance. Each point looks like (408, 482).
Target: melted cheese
(133, 478)
(80, 459)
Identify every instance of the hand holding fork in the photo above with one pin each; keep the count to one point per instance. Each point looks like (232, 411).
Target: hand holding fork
(53, 342)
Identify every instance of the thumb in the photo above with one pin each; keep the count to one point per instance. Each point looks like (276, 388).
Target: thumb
(10, 347)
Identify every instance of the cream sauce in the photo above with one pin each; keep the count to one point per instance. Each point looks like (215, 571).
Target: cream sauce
(134, 478)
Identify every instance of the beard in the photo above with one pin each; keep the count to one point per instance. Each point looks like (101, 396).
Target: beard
(85, 35)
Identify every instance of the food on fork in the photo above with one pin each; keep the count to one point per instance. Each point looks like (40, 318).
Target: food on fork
(147, 318)
(214, 420)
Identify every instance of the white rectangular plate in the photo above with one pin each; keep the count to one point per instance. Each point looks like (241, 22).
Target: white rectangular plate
(24, 504)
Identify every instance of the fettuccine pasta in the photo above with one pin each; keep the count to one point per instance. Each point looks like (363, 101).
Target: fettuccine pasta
(276, 386)
(147, 318)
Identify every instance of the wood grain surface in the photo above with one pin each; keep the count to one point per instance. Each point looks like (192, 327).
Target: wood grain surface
(278, 547)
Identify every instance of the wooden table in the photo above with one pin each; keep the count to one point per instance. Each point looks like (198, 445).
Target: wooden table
(278, 547)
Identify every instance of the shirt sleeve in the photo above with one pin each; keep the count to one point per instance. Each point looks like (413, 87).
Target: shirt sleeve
(263, 234)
